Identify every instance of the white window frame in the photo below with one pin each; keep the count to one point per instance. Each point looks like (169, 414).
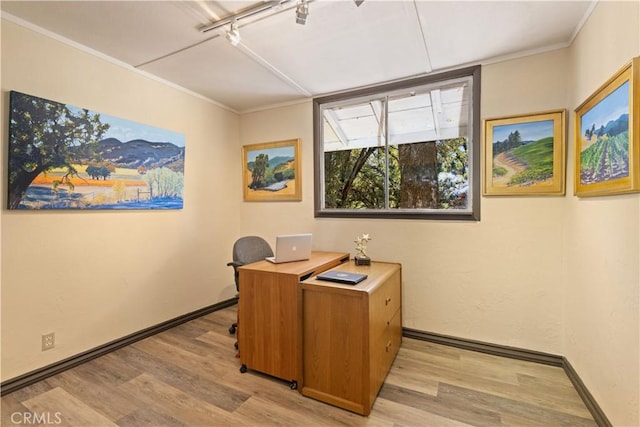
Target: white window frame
(472, 213)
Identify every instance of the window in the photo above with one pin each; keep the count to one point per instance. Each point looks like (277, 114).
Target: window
(409, 149)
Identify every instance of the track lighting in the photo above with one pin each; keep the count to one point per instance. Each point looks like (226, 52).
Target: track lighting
(233, 35)
(302, 11)
(259, 10)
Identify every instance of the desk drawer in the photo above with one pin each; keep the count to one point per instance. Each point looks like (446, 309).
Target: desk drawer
(383, 351)
(390, 293)
(392, 338)
(385, 303)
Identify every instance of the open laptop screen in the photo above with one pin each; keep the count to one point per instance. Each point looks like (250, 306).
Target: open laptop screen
(292, 247)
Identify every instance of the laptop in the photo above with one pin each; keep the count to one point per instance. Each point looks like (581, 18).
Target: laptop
(292, 247)
(342, 277)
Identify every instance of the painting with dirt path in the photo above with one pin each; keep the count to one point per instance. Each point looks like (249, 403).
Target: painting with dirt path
(522, 154)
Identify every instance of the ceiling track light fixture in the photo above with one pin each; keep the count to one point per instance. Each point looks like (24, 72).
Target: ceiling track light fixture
(265, 8)
(233, 35)
(253, 11)
(302, 11)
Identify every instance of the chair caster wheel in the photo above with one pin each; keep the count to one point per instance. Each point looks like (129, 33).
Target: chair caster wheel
(293, 385)
(243, 369)
(232, 330)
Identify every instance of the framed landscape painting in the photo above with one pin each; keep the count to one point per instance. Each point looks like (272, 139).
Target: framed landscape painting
(271, 171)
(525, 155)
(65, 157)
(607, 140)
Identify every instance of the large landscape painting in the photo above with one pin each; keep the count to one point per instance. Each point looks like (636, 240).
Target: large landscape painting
(64, 157)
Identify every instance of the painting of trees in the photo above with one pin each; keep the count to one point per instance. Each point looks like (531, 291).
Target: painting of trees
(260, 165)
(525, 154)
(65, 157)
(163, 182)
(271, 171)
(45, 135)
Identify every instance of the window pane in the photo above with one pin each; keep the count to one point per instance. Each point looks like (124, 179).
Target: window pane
(430, 164)
(354, 179)
(418, 178)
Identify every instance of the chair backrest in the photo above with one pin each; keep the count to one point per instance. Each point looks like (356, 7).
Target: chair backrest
(250, 249)
(246, 250)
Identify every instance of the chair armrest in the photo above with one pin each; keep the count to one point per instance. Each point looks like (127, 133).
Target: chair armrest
(234, 264)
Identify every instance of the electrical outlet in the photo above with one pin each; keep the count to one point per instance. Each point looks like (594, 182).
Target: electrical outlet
(48, 341)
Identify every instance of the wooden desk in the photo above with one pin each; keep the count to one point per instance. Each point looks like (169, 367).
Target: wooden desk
(269, 316)
(351, 335)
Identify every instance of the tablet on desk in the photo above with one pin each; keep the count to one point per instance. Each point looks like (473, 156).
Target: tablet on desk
(342, 277)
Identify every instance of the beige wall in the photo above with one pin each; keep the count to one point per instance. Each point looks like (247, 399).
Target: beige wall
(603, 237)
(486, 281)
(526, 275)
(92, 277)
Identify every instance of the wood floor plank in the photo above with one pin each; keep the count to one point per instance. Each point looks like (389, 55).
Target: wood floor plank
(172, 402)
(444, 408)
(269, 393)
(522, 410)
(31, 391)
(111, 369)
(403, 375)
(149, 417)
(430, 350)
(11, 410)
(559, 395)
(181, 355)
(102, 396)
(392, 413)
(61, 408)
(198, 383)
(189, 376)
(219, 320)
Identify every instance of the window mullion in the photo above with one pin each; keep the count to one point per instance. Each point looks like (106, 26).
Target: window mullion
(386, 151)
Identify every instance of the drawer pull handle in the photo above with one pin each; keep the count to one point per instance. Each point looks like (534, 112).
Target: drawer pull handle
(387, 301)
(388, 347)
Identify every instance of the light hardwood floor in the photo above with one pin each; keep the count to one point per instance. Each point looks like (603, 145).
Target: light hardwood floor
(189, 376)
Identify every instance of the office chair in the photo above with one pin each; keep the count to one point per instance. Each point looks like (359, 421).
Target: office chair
(246, 250)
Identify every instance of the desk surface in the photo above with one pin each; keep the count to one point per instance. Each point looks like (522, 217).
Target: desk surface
(377, 273)
(299, 268)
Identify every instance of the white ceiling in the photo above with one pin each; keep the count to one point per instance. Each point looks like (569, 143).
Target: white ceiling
(341, 47)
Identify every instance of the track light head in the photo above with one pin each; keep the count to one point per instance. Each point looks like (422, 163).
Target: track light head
(233, 35)
(302, 11)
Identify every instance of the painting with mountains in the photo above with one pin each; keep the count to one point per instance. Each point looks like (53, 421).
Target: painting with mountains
(604, 139)
(271, 171)
(64, 157)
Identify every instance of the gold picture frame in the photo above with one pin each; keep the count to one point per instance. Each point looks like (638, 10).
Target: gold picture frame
(607, 141)
(271, 171)
(525, 155)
